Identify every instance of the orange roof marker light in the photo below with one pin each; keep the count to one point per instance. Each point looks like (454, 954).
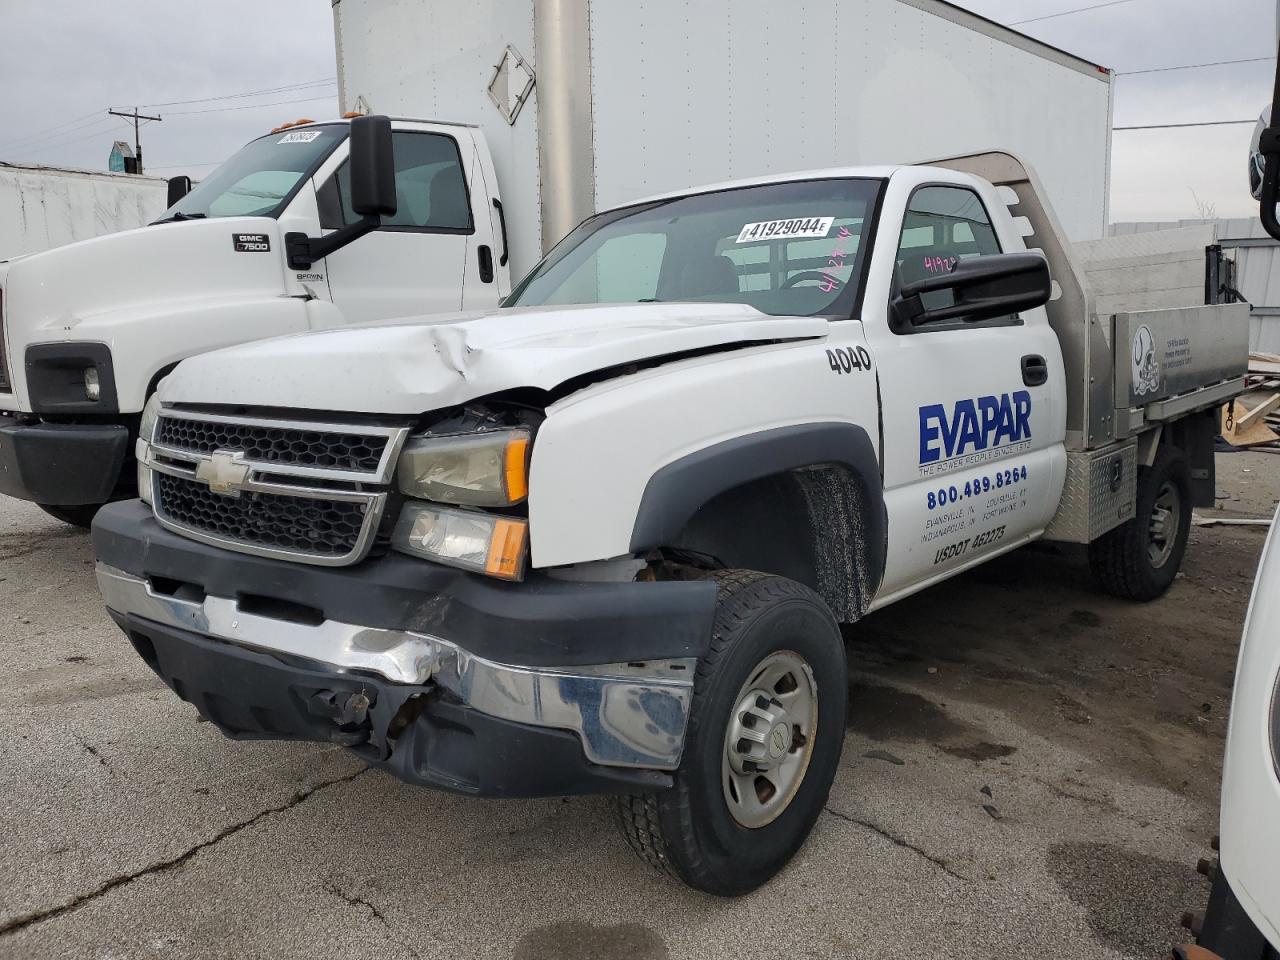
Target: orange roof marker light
(291, 123)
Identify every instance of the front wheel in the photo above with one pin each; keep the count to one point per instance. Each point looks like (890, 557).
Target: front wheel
(765, 733)
(78, 515)
(1139, 559)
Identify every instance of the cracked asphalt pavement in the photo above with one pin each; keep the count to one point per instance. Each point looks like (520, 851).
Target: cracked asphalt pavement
(1030, 769)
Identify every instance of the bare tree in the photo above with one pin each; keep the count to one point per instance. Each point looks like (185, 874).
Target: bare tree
(1206, 209)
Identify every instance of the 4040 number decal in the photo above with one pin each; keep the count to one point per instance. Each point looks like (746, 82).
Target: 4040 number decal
(848, 359)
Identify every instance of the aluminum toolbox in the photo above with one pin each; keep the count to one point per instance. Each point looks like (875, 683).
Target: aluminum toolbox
(1098, 495)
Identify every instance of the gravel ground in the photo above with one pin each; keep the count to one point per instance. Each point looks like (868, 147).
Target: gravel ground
(1030, 770)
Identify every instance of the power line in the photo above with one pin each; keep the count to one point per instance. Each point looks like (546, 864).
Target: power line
(1067, 13)
(1179, 126)
(54, 132)
(58, 130)
(247, 106)
(1193, 66)
(248, 93)
(103, 131)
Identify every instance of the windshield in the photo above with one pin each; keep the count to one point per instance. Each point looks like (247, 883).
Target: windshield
(257, 180)
(787, 249)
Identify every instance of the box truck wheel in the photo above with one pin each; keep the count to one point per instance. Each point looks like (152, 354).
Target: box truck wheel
(765, 733)
(1139, 559)
(78, 515)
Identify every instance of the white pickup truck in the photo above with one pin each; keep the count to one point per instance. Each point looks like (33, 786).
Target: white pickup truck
(602, 539)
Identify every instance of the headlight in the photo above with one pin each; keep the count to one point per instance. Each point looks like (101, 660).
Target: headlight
(492, 545)
(92, 386)
(489, 469)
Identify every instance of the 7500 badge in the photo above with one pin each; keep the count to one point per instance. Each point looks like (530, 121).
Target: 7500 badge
(251, 242)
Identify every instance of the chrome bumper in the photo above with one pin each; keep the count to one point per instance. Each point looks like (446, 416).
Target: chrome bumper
(626, 715)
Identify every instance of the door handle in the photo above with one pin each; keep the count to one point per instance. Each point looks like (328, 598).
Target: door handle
(1035, 372)
(502, 223)
(486, 263)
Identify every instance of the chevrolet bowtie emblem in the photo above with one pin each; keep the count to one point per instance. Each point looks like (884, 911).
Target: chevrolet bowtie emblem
(223, 472)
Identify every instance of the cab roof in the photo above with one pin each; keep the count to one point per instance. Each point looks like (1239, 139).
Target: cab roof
(822, 173)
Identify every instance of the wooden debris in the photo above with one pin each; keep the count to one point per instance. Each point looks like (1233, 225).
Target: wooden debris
(1242, 427)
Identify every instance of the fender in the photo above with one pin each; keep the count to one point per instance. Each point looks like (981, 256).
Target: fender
(841, 555)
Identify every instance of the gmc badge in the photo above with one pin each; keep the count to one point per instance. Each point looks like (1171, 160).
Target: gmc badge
(251, 242)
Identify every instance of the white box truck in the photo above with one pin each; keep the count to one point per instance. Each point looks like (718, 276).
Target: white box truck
(44, 207)
(561, 108)
(601, 539)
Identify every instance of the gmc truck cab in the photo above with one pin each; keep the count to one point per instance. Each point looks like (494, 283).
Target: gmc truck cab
(88, 330)
(603, 539)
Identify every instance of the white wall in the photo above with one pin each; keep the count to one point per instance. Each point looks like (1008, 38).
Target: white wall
(42, 208)
(696, 92)
(432, 60)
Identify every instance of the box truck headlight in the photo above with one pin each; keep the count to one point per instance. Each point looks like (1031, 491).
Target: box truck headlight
(488, 469)
(483, 543)
(92, 388)
(146, 432)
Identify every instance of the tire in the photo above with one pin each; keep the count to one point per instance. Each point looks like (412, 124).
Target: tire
(79, 515)
(764, 624)
(1139, 559)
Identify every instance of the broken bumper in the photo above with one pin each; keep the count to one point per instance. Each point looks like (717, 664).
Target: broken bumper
(429, 684)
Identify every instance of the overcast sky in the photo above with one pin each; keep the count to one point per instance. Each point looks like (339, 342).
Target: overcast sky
(61, 69)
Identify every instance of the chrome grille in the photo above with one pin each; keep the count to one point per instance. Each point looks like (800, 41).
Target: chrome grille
(261, 444)
(309, 492)
(323, 528)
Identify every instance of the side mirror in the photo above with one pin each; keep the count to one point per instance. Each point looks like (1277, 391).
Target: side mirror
(982, 288)
(1258, 162)
(179, 187)
(372, 167)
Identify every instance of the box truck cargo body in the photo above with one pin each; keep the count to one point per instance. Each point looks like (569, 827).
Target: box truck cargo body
(586, 106)
(45, 207)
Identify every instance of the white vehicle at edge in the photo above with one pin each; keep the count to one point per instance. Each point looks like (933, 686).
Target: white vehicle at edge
(1245, 902)
(600, 540)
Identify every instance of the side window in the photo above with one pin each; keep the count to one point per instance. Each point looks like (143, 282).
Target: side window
(943, 226)
(431, 189)
(624, 269)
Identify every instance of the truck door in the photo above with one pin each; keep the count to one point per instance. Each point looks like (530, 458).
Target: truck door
(414, 263)
(971, 420)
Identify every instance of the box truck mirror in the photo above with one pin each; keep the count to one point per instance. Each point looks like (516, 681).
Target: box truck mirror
(982, 288)
(373, 169)
(179, 187)
(371, 163)
(1264, 163)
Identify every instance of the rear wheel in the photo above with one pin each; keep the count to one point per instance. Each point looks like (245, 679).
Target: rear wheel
(1139, 559)
(765, 733)
(78, 515)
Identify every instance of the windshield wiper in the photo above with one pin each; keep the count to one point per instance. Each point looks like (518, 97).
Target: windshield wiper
(179, 217)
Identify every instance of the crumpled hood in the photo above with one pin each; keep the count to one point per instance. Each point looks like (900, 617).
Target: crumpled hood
(415, 365)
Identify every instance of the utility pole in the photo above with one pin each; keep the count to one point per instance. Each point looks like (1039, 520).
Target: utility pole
(137, 141)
